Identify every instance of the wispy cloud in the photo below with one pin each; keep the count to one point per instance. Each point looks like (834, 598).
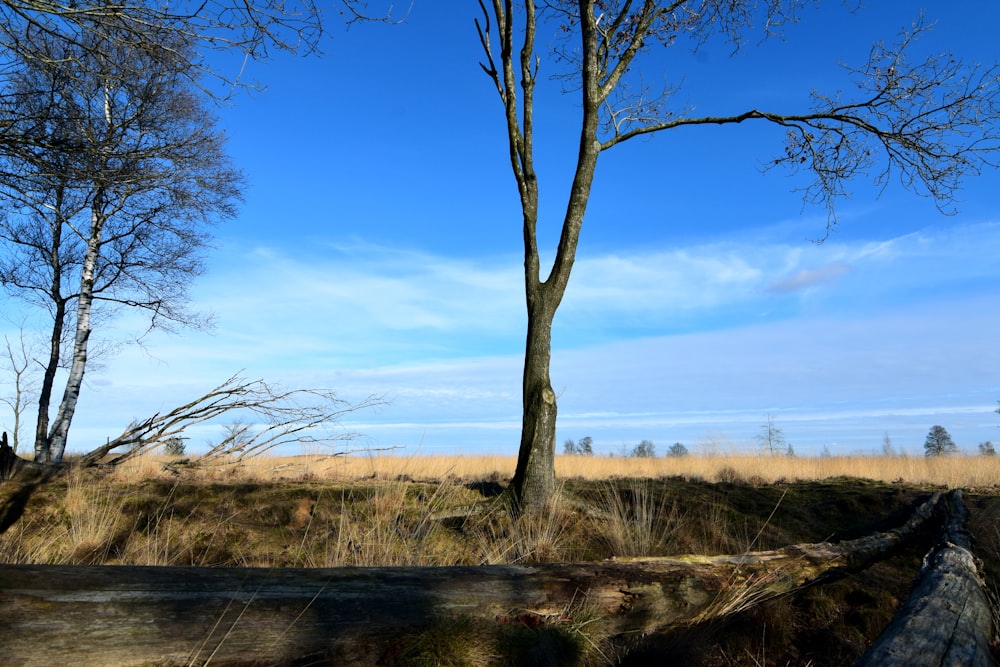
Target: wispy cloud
(667, 344)
(804, 279)
(377, 293)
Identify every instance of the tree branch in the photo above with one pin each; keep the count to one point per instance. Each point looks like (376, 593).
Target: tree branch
(286, 417)
(929, 124)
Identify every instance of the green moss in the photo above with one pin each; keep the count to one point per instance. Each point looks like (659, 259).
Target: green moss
(456, 643)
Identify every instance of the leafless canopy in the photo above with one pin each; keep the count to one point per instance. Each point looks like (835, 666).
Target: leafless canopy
(112, 172)
(927, 123)
(250, 28)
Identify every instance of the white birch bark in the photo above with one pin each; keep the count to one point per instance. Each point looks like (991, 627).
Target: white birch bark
(85, 302)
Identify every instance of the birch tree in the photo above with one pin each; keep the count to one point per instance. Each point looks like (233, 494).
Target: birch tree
(928, 123)
(248, 29)
(771, 439)
(109, 198)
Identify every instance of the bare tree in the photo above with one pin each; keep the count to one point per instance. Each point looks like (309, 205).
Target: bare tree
(252, 29)
(108, 204)
(929, 123)
(771, 439)
(678, 450)
(887, 448)
(18, 357)
(644, 450)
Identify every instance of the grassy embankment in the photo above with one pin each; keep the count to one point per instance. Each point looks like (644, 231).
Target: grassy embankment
(381, 510)
(384, 510)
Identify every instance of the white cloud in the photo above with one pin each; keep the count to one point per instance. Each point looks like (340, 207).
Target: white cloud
(844, 381)
(441, 338)
(356, 296)
(662, 280)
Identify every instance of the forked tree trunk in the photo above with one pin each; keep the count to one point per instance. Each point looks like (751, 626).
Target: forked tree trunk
(534, 480)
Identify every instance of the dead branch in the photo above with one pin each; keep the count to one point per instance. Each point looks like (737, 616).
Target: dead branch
(283, 417)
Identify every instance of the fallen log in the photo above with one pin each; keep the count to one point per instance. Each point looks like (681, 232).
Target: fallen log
(169, 616)
(13, 466)
(948, 620)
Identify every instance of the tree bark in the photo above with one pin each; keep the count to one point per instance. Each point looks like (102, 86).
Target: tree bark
(948, 620)
(56, 441)
(534, 480)
(164, 615)
(42, 450)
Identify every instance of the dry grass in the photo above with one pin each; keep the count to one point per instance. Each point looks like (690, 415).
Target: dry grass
(382, 510)
(640, 521)
(385, 510)
(382, 525)
(970, 472)
(94, 514)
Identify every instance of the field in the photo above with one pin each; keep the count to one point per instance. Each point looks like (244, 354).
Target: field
(968, 472)
(401, 511)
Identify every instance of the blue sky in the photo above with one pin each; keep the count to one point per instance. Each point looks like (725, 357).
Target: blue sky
(379, 252)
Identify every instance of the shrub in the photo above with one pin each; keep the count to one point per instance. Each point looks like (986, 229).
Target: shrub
(677, 450)
(584, 447)
(174, 447)
(644, 450)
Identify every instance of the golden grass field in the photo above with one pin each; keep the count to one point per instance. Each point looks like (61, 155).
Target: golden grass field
(969, 472)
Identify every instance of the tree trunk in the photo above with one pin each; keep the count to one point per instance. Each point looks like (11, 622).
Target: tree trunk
(84, 303)
(356, 616)
(534, 480)
(42, 449)
(948, 619)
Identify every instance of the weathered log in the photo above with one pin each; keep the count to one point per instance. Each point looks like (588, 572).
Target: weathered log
(13, 466)
(947, 621)
(8, 459)
(31, 478)
(166, 615)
